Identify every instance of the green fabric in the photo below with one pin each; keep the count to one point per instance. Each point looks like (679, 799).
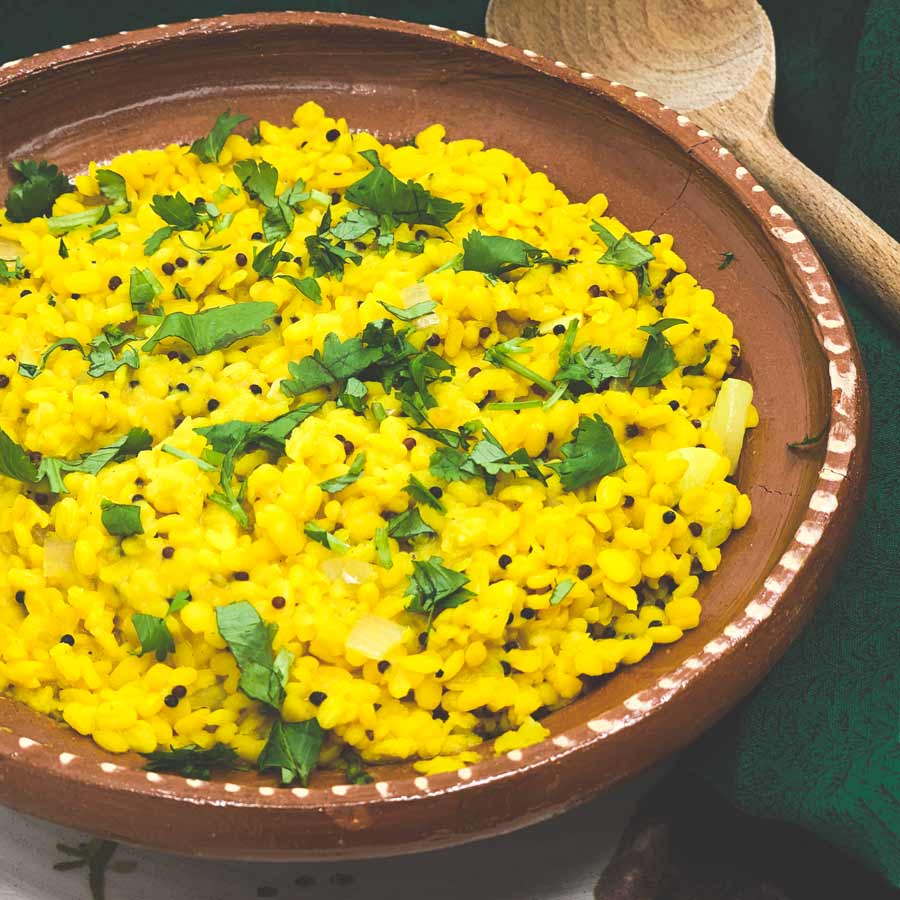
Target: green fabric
(816, 744)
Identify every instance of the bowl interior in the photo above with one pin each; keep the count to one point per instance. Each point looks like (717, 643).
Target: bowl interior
(394, 84)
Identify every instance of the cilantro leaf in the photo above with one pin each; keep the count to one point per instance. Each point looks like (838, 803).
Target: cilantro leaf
(15, 461)
(384, 194)
(143, 288)
(29, 370)
(153, 634)
(414, 247)
(593, 366)
(727, 259)
(410, 313)
(409, 525)
(234, 437)
(700, 367)
(112, 186)
(325, 256)
(155, 241)
(658, 358)
(309, 287)
(496, 255)
(214, 329)
(293, 748)
(336, 361)
(265, 262)
(333, 485)
(326, 539)
(625, 252)
(263, 675)
(34, 194)
(561, 591)
(101, 353)
(260, 180)
(179, 601)
(434, 588)
(591, 454)
(354, 770)
(355, 224)
(121, 519)
(208, 147)
(8, 274)
(193, 761)
(353, 396)
(175, 210)
(422, 495)
(450, 464)
(278, 222)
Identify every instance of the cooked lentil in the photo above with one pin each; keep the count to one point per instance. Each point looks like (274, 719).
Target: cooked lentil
(492, 665)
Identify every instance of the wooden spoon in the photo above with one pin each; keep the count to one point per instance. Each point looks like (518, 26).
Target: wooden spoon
(715, 60)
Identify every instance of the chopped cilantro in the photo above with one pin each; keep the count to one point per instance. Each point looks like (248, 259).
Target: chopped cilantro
(410, 313)
(309, 287)
(192, 761)
(422, 495)
(333, 485)
(263, 674)
(353, 396)
(321, 536)
(658, 358)
(495, 255)
(591, 454)
(293, 748)
(121, 519)
(396, 201)
(208, 147)
(409, 525)
(727, 259)
(40, 183)
(326, 256)
(214, 329)
(7, 274)
(143, 288)
(265, 262)
(434, 588)
(153, 634)
(700, 367)
(112, 186)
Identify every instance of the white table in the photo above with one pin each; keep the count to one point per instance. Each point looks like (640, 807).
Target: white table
(556, 860)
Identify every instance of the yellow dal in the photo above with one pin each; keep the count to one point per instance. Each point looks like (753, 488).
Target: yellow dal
(95, 582)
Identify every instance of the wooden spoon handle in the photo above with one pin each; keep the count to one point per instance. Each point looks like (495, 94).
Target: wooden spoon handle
(856, 249)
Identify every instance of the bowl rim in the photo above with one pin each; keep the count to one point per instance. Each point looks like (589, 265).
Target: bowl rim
(843, 465)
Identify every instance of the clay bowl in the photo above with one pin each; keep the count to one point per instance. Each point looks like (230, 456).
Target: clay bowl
(167, 84)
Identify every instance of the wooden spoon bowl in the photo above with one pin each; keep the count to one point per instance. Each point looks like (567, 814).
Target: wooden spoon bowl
(167, 84)
(715, 60)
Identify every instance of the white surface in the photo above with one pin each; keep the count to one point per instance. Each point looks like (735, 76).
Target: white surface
(556, 860)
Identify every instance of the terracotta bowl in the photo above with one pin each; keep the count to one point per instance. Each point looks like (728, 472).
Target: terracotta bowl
(167, 84)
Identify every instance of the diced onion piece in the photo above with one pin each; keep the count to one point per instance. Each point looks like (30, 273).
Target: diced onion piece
(350, 571)
(547, 327)
(415, 293)
(374, 636)
(428, 321)
(729, 417)
(702, 462)
(9, 249)
(59, 557)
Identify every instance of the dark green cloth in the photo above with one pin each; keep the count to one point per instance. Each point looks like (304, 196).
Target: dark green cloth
(816, 744)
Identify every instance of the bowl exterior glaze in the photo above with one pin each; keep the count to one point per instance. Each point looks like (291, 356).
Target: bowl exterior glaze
(167, 84)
